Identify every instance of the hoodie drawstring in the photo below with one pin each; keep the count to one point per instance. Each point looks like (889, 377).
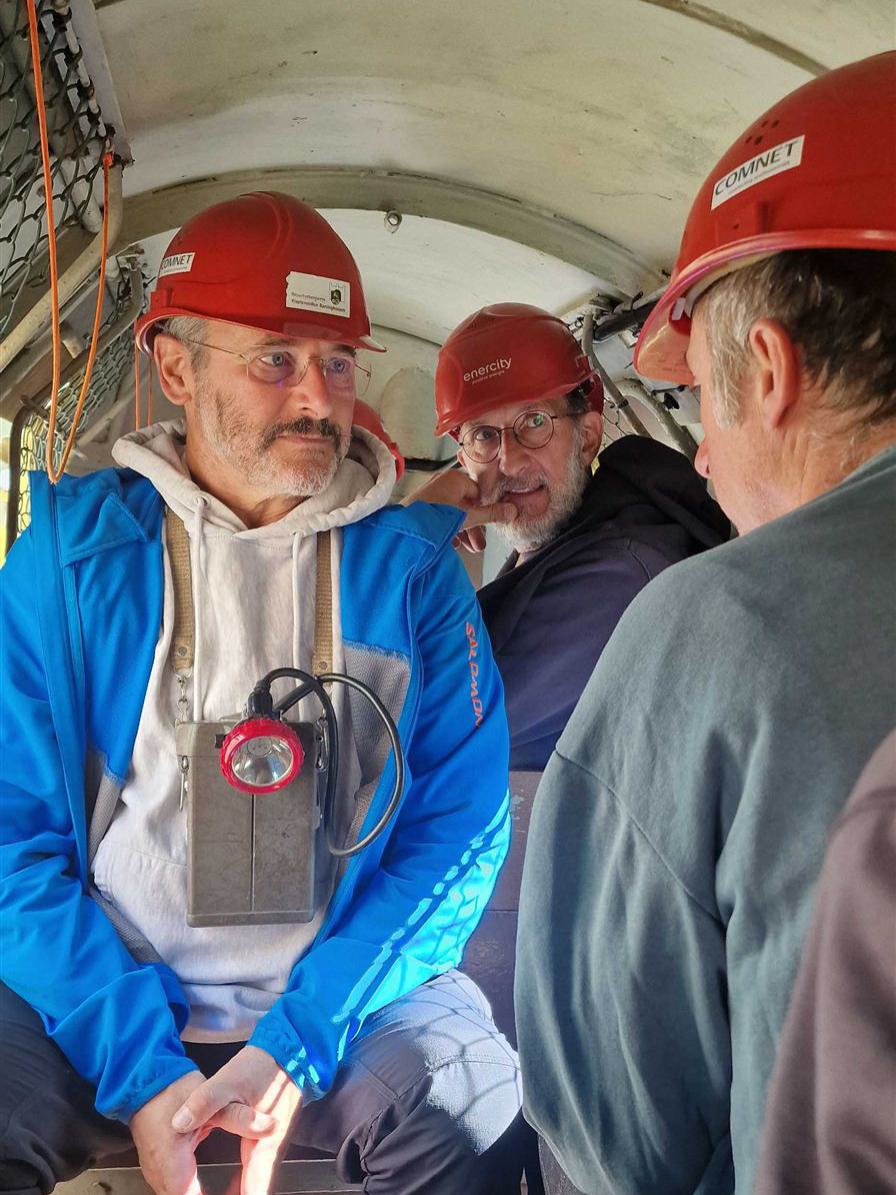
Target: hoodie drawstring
(196, 563)
(296, 630)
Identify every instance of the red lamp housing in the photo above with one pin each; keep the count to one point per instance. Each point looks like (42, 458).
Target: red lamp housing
(261, 755)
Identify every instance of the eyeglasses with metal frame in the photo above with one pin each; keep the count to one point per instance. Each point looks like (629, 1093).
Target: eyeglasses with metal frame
(343, 376)
(531, 429)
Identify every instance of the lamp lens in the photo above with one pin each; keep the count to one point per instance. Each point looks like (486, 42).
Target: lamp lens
(263, 762)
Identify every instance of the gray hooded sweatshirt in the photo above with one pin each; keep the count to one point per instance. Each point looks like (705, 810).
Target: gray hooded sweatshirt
(253, 600)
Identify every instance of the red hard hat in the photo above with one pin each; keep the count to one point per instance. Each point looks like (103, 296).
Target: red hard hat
(367, 418)
(817, 171)
(267, 261)
(509, 352)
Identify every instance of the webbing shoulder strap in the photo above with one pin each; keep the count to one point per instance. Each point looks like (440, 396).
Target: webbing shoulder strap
(184, 634)
(322, 660)
(183, 637)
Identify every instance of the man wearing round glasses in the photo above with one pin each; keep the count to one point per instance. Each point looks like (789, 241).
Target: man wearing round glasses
(346, 1027)
(521, 398)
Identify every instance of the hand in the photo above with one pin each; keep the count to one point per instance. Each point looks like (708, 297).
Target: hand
(253, 1098)
(167, 1158)
(455, 488)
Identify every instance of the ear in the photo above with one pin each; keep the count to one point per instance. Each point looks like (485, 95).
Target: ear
(777, 371)
(463, 462)
(174, 369)
(592, 435)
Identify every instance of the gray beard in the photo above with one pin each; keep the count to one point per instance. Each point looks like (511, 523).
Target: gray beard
(234, 439)
(528, 534)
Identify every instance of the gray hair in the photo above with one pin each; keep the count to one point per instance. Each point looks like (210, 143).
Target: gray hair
(578, 401)
(839, 308)
(187, 329)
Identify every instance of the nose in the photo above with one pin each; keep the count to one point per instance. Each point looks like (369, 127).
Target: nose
(511, 450)
(701, 460)
(310, 394)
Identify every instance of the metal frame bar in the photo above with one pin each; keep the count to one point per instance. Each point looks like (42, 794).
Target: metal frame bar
(74, 277)
(23, 414)
(619, 271)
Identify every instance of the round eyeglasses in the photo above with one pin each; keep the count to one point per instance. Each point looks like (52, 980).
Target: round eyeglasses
(532, 429)
(344, 377)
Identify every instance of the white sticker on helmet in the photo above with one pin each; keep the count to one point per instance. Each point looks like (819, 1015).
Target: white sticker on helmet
(771, 161)
(176, 263)
(310, 292)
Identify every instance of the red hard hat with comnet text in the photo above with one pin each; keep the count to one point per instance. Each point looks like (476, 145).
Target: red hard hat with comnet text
(816, 171)
(263, 260)
(509, 352)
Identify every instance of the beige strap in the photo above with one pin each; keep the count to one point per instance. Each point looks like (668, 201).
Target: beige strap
(182, 641)
(322, 660)
(183, 638)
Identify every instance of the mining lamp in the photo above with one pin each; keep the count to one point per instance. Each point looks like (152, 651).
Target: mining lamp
(261, 755)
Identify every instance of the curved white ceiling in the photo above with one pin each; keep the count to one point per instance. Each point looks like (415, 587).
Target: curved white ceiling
(607, 112)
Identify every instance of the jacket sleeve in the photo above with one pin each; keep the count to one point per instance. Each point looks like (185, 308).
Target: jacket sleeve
(620, 999)
(829, 1118)
(114, 1019)
(412, 920)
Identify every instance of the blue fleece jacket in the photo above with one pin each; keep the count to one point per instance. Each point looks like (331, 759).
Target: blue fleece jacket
(81, 610)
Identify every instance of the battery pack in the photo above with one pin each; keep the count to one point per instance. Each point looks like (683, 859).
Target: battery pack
(251, 856)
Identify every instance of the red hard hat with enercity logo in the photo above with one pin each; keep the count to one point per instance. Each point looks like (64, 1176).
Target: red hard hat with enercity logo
(817, 171)
(509, 352)
(366, 417)
(267, 261)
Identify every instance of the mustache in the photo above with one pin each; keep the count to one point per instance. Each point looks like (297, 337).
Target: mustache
(514, 483)
(303, 426)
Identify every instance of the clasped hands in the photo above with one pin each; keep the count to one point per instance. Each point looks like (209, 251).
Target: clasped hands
(251, 1097)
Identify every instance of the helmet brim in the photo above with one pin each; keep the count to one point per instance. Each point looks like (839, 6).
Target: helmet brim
(146, 329)
(446, 427)
(660, 354)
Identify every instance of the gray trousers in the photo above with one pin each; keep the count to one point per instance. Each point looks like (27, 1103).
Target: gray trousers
(427, 1100)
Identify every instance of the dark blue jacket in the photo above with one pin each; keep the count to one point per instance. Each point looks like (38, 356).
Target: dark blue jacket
(550, 616)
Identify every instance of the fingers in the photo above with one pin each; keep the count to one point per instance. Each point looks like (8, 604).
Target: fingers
(497, 512)
(472, 540)
(215, 1103)
(260, 1161)
(172, 1171)
(243, 1121)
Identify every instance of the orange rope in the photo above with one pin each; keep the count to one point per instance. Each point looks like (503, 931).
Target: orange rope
(52, 472)
(149, 396)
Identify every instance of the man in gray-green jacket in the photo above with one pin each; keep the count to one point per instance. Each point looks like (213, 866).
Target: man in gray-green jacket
(681, 824)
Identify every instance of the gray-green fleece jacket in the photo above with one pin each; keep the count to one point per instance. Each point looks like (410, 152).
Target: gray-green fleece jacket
(678, 834)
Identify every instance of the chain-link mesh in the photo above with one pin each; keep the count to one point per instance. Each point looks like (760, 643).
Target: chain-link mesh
(77, 139)
(109, 368)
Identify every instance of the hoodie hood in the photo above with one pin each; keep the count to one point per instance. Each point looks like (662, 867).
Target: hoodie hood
(363, 484)
(636, 472)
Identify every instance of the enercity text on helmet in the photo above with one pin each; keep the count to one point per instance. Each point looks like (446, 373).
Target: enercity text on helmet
(816, 171)
(501, 365)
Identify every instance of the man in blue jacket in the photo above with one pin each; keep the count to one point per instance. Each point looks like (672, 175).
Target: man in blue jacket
(349, 1031)
(680, 826)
